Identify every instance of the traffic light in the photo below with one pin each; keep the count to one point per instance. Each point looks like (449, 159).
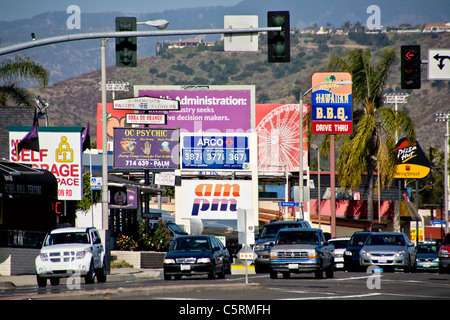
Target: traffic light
(278, 42)
(126, 48)
(410, 67)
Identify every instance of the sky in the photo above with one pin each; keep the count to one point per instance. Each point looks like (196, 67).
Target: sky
(22, 9)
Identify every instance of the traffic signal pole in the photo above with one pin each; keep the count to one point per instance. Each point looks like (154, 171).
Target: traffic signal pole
(121, 34)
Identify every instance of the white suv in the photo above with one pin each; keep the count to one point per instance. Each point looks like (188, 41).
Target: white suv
(70, 252)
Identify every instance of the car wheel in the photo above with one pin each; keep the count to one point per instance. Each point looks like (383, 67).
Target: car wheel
(101, 274)
(286, 275)
(54, 281)
(90, 277)
(318, 274)
(222, 273)
(42, 282)
(212, 272)
(329, 272)
(167, 277)
(273, 274)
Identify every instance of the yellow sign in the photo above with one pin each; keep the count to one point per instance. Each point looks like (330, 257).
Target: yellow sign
(413, 235)
(411, 161)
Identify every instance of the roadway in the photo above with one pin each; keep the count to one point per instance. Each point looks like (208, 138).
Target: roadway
(344, 286)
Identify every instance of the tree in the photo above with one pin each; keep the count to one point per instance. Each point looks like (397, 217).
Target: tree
(12, 71)
(375, 127)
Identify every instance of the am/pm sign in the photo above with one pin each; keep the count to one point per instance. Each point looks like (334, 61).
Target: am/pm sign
(332, 103)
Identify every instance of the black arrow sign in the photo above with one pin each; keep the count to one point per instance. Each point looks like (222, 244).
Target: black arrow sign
(441, 59)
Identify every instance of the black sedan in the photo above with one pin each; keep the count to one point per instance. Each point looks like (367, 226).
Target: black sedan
(197, 255)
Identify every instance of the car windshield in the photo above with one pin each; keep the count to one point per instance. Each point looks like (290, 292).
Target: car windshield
(385, 240)
(298, 237)
(191, 244)
(176, 228)
(358, 239)
(270, 231)
(67, 237)
(446, 239)
(427, 248)
(339, 244)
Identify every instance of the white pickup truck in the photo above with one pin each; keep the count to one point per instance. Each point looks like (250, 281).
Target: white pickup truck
(70, 252)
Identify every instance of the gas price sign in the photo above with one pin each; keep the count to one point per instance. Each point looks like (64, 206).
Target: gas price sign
(218, 151)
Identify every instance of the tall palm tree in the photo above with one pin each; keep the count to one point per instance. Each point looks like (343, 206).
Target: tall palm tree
(12, 71)
(376, 127)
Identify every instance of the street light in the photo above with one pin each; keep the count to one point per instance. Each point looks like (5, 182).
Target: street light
(105, 211)
(445, 117)
(160, 24)
(339, 83)
(316, 147)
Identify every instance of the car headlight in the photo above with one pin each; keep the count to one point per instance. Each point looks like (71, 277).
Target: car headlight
(80, 254)
(312, 254)
(169, 261)
(348, 253)
(44, 256)
(260, 247)
(364, 253)
(273, 255)
(203, 260)
(443, 253)
(401, 254)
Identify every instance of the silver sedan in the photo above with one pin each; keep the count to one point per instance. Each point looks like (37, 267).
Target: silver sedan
(388, 250)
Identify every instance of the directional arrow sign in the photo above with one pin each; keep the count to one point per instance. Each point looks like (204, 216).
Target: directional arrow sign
(439, 64)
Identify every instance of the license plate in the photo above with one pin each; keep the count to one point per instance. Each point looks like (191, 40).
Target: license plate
(427, 265)
(293, 265)
(382, 260)
(185, 267)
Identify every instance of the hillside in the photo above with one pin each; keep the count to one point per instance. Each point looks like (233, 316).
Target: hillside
(74, 101)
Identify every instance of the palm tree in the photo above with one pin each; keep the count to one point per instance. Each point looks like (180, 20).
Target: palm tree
(376, 127)
(12, 71)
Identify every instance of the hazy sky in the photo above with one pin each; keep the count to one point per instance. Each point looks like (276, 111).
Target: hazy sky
(21, 9)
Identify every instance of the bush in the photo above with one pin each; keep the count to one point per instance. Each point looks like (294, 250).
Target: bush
(126, 243)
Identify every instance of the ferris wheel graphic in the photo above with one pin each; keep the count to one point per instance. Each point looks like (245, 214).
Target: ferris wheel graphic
(278, 134)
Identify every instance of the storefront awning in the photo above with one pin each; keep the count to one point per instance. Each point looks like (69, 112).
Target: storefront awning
(407, 209)
(20, 180)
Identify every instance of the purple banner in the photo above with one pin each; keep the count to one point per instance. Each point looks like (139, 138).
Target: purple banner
(146, 148)
(207, 111)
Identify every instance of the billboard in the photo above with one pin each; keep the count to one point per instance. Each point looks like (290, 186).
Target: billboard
(215, 199)
(331, 111)
(206, 108)
(146, 148)
(277, 127)
(215, 151)
(115, 118)
(60, 153)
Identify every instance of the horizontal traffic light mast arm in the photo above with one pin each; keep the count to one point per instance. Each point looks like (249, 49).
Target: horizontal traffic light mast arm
(122, 34)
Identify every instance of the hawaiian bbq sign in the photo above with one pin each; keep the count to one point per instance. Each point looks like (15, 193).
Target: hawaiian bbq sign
(331, 103)
(146, 148)
(60, 153)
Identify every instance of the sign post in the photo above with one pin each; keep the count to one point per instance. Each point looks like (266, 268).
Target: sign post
(247, 256)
